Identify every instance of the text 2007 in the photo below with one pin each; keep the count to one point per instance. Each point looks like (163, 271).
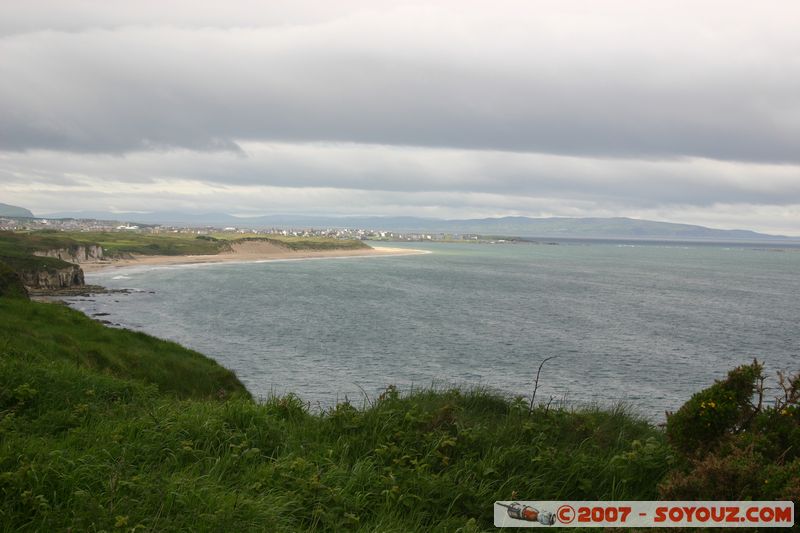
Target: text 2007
(603, 514)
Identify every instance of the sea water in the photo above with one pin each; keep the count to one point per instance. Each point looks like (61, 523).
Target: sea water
(647, 324)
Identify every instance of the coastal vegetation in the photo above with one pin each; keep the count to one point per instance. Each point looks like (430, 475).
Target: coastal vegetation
(17, 250)
(108, 429)
(121, 244)
(736, 445)
(58, 334)
(10, 284)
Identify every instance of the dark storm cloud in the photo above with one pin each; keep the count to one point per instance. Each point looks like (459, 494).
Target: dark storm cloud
(675, 86)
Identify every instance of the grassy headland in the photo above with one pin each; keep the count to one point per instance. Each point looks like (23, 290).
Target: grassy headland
(17, 250)
(59, 333)
(116, 244)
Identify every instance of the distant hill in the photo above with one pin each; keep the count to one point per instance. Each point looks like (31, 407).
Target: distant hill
(14, 211)
(590, 228)
(625, 228)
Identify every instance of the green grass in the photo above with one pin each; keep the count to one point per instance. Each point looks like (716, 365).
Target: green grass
(16, 250)
(121, 243)
(103, 429)
(28, 242)
(59, 333)
(10, 284)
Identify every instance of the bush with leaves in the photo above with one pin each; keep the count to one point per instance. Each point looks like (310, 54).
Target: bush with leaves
(733, 446)
(711, 414)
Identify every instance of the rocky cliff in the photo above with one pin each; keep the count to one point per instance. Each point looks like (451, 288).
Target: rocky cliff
(52, 278)
(75, 254)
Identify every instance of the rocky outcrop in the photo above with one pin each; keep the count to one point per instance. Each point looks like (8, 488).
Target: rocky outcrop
(52, 278)
(75, 254)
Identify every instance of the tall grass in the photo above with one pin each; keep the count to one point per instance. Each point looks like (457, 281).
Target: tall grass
(10, 284)
(100, 430)
(51, 333)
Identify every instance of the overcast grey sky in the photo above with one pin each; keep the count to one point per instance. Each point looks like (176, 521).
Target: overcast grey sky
(678, 111)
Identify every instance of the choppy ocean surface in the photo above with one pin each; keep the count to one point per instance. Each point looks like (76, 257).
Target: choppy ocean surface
(646, 324)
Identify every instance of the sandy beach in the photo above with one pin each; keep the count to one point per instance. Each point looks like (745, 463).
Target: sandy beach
(247, 251)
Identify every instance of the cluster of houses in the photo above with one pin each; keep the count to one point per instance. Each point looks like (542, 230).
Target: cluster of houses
(62, 224)
(86, 225)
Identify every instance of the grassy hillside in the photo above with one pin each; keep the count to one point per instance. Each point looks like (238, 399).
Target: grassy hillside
(114, 243)
(16, 250)
(104, 429)
(29, 242)
(10, 284)
(57, 333)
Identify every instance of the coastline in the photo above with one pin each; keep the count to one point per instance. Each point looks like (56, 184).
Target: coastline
(244, 252)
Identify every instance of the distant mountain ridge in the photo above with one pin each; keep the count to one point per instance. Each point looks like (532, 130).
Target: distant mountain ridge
(14, 211)
(517, 226)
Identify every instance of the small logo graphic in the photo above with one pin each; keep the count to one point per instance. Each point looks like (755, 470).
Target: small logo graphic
(566, 514)
(529, 514)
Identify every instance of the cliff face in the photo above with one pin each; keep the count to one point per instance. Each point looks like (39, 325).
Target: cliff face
(53, 278)
(61, 277)
(75, 254)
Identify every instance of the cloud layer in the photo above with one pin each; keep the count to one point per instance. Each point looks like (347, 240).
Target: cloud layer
(618, 108)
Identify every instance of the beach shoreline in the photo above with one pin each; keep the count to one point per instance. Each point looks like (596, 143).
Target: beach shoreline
(243, 253)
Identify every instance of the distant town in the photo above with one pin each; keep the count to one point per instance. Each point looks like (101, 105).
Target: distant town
(92, 225)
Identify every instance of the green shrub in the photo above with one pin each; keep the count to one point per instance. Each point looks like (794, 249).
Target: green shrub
(741, 473)
(734, 448)
(711, 414)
